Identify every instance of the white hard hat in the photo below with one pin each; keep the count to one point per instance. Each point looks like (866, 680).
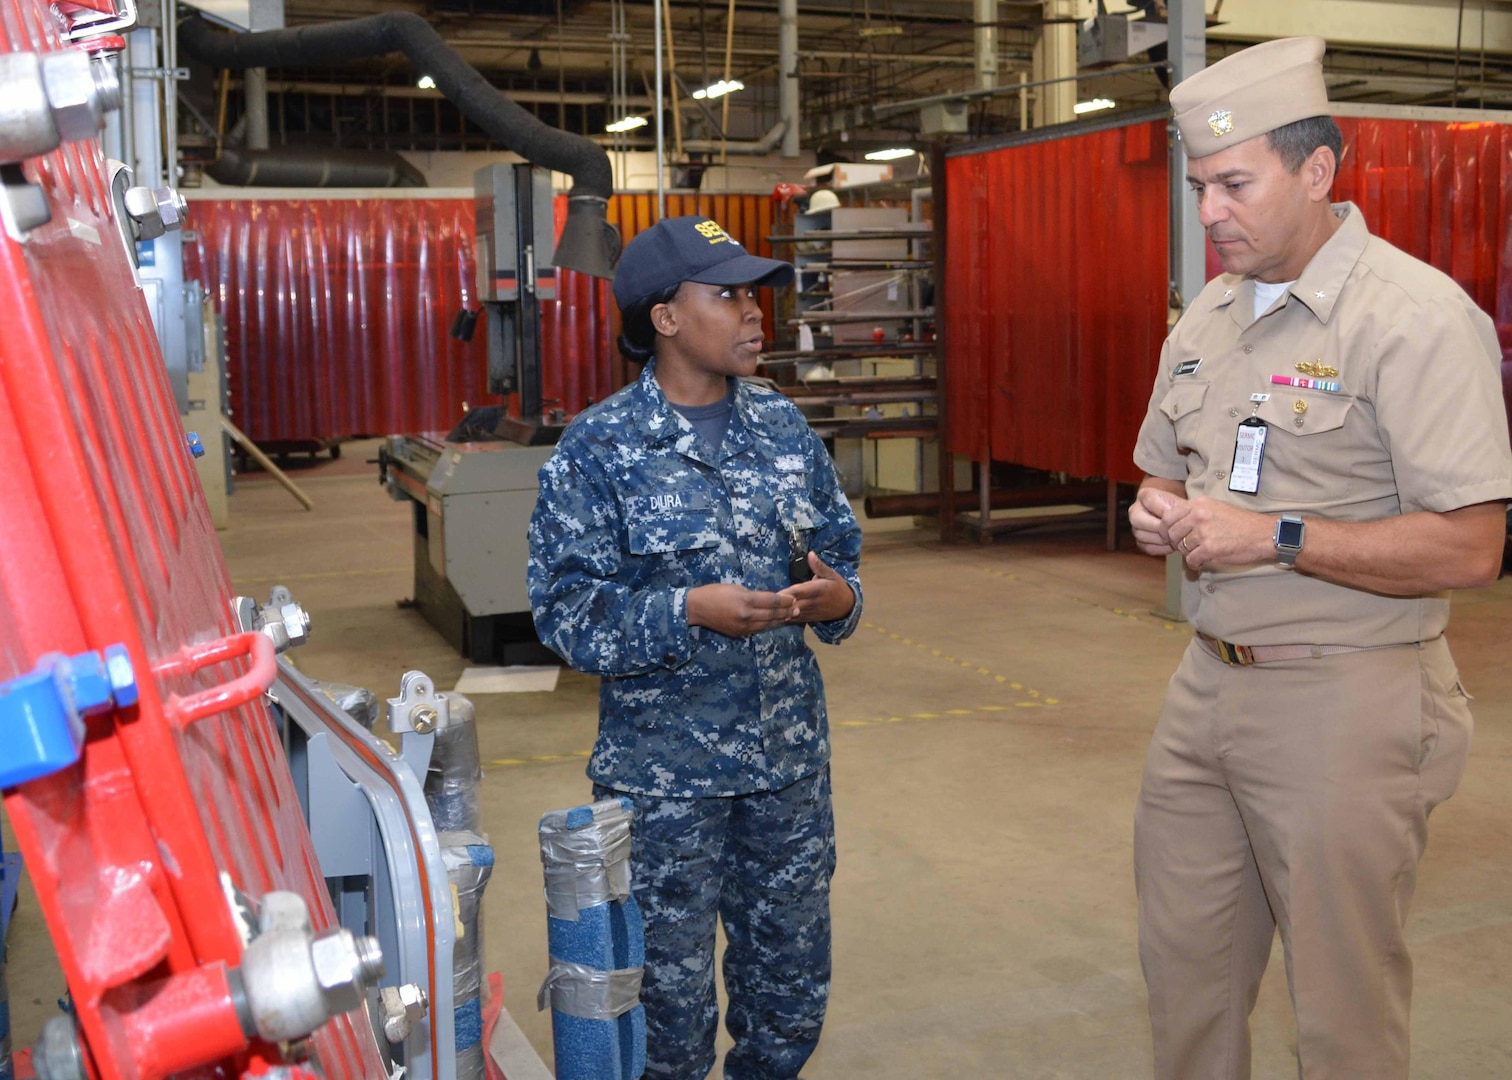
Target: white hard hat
(822, 200)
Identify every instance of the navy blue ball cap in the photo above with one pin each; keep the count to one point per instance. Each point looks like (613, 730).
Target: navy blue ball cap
(681, 249)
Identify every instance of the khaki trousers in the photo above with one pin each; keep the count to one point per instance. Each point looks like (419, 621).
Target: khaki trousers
(1292, 795)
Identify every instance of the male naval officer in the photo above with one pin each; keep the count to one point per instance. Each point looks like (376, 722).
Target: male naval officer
(1326, 447)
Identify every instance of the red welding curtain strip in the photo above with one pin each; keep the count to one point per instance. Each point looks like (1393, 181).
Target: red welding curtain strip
(337, 312)
(1055, 298)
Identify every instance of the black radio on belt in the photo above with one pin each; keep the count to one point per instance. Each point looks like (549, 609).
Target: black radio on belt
(799, 570)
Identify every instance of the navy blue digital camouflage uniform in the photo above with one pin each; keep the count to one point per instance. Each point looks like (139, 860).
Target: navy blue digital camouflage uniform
(721, 743)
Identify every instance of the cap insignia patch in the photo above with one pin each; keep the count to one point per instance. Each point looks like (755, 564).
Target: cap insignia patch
(1222, 122)
(711, 232)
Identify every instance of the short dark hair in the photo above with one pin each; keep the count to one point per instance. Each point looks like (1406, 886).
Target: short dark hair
(1295, 142)
(637, 339)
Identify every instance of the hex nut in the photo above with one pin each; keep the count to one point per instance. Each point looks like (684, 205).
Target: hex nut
(171, 206)
(142, 207)
(414, 999)
(297, 622)
(338, 970)
(68, 78)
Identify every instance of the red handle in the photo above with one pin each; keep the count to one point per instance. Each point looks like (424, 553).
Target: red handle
(183, 711)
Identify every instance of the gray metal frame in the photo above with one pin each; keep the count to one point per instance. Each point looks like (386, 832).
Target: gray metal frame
(375, 842)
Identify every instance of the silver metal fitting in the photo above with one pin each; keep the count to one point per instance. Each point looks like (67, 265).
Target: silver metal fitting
(402, 1007)
(52, 98)
(286, 623)
(154, 211)
(344, 964)
(57, 1054)
(419, 707)
(295, 983)
(79, 92)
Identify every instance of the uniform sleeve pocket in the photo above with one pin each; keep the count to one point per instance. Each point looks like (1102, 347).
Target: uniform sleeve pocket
(1182, 399)
(672, 532)
(1318, 413)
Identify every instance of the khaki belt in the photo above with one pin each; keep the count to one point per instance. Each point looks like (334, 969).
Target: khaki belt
(1245, 655)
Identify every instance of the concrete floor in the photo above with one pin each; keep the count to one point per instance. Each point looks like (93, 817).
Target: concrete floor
(990, 720)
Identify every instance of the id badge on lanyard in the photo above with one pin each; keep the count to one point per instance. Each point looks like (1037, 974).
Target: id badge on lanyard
(1249, 451)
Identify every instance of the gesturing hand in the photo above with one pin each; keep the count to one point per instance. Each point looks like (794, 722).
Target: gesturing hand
(824, 598)
(735, 611)
(1149, 521)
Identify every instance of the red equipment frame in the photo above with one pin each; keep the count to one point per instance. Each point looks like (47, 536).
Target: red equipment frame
(105, 538)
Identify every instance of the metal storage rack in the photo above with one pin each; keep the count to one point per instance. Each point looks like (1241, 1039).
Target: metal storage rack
(857, 332)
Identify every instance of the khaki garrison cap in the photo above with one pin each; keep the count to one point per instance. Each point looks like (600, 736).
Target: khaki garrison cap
(1250, 93)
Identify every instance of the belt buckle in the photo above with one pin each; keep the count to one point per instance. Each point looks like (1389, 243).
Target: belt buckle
(1238, 655)
(1231, 654)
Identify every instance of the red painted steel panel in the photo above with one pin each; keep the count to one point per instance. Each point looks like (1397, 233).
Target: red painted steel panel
(337, 311)
(106, 539)
(1055, 272)
(1054, 305)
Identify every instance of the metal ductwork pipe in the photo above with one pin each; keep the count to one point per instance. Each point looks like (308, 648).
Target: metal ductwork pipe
(765, 145)
(787, 74)
(298, 168)
(589, 244)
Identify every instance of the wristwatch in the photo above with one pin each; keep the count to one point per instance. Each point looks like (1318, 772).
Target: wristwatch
(1291, 530)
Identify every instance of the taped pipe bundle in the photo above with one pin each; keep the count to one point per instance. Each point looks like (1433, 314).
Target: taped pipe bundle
(357, 702)
(455, 772)
(597, 942)
(469, 863)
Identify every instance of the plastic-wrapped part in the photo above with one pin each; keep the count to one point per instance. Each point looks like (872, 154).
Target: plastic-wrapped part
(357, 702)
(597, 944)
(451, 782)
(469, 863)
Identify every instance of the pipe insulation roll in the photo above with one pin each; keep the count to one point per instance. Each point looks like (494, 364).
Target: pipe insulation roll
(469, 863)
(455, 771)
(597, 943)
(325, 44)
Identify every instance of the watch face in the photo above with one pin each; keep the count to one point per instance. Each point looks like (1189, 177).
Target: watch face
(1289, 534)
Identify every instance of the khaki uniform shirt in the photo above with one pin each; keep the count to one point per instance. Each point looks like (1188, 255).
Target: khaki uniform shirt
(1418, 423)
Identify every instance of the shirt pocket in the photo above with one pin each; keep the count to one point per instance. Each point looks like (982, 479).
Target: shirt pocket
(1309, 454)
(1182, 406)
(668, 534)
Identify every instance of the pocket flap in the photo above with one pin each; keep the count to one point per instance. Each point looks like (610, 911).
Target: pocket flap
(1183, 397)
(1321, 412)
(672, 532)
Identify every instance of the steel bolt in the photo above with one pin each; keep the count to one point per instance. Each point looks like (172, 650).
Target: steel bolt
(122, 676)
(424, 719)
(72, 87)
(296, 621)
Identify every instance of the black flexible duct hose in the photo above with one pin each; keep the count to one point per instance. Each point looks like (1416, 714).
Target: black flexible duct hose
(589, 243)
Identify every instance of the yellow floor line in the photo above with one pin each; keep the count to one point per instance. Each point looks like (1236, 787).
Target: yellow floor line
(547, 759)
(922, 647)
(1144, 618)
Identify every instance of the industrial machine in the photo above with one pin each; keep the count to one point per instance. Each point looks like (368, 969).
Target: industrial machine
(473, 491)
(239, 877)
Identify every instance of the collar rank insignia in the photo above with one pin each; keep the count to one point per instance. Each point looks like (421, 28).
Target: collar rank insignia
(1318, 370)
(1222, 122)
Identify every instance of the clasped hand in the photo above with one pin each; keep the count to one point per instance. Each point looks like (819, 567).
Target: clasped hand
(1206, 532)
(735, 611)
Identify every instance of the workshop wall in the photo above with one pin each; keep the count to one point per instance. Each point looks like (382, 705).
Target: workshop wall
(1054, 306)
(337, 311)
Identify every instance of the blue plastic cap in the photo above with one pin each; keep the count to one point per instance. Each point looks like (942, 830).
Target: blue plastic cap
(42, 712)
(196, 447)
(122, 676)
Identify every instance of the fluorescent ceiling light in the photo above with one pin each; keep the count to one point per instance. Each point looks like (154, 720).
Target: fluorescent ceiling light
(890, 155)
(426, 83)
(629, 123)
(1095, 105)
(719, 89)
